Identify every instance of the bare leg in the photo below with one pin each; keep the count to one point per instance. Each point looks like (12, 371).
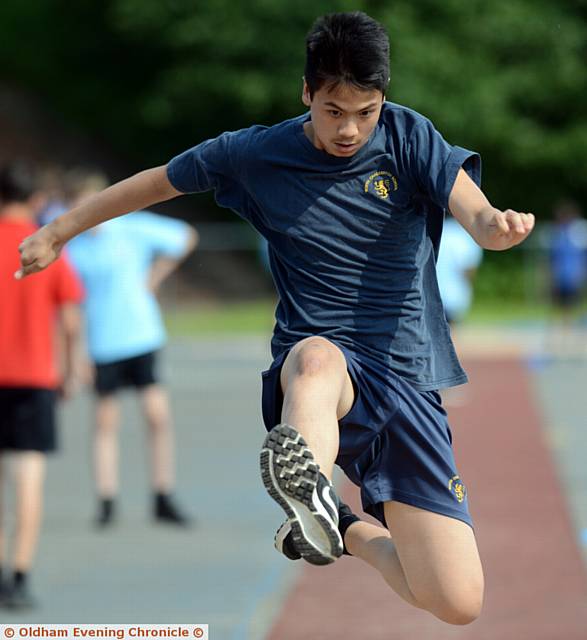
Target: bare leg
(106, 445)
(317, 393)
(155, 405)
(432, 562)
(30, 476)
(374, 545)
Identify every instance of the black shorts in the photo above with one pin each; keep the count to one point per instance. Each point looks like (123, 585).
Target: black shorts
(27, 419)
(131, 372)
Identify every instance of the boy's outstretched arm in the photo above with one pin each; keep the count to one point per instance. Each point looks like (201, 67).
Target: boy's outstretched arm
(137, 192)
(489, 227)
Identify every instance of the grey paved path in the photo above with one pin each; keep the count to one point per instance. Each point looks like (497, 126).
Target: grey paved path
(221, 572)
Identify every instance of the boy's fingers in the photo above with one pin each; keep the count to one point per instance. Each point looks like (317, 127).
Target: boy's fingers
(22, 249)
(529, 221)
(515, 220)
(520, 223)
(25, 258)
(502, 223)
(23, 272)
(27, 270)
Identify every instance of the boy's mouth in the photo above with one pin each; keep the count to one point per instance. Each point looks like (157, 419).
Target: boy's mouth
(346, 147)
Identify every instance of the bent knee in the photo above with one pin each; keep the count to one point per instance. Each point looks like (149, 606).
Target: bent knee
(457, 609)
(317, 356)
(459, 615)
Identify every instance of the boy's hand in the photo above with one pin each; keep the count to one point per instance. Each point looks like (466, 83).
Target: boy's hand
(38, 251)
(506, 229)
(490, 227)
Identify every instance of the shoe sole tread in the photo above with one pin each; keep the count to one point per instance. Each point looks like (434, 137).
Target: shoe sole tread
(289, 471)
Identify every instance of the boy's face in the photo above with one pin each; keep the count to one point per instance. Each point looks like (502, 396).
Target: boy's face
(343, 117)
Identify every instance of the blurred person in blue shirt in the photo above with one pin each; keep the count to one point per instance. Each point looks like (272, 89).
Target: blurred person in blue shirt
(458, 259)
(122, 264)
(568, 256)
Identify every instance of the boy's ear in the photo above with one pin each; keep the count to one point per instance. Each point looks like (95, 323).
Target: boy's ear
(306, 99)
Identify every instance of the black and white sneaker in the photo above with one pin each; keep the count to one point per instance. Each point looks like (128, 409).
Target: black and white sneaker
(293, 479)
(284, 539)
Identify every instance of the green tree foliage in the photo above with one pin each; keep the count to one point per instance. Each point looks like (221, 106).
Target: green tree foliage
(507, 78)
(153, 77)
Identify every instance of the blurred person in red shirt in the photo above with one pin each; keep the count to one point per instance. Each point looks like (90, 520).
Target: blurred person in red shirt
(30, 376)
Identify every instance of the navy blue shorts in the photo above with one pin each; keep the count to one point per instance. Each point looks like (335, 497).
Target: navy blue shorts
(395, 442)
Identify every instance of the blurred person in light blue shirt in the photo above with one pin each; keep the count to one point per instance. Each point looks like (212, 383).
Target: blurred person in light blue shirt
(116, 262)
(122, 264)
(458, 259)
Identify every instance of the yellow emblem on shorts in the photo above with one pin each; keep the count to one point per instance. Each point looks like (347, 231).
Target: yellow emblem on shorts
(382, 183)
(457, 488)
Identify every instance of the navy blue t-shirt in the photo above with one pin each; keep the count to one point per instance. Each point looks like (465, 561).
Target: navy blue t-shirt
(352, 241)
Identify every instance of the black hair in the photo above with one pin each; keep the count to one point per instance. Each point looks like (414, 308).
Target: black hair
(18, 183)
(347, 48)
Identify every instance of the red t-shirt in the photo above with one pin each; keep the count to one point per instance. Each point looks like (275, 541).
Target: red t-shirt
(28, 312)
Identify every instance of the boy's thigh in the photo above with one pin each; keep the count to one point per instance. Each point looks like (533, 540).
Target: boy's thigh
(438, 554)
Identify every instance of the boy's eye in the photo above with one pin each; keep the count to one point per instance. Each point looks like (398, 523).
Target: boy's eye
(366, 114)
(334, 113)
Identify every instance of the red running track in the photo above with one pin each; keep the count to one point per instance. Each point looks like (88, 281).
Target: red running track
(536, 584)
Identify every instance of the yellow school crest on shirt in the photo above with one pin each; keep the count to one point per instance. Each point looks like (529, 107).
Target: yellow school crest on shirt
(381, 183)
(457, 488)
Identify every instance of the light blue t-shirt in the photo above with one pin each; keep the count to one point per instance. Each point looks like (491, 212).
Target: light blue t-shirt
(122, 316)
(459, 255)
(352, 241)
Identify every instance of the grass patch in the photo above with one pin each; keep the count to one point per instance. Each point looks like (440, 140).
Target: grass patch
(507, 312)
(227, 319)
(257, 318)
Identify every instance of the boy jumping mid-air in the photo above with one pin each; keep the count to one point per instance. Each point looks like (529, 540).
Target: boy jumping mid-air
(351, 198)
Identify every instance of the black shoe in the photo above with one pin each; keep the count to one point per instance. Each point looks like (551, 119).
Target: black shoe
(284, 542)
(293, 480)
(5, 591)
(106, 513)
(18, 596)
(165, 510)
